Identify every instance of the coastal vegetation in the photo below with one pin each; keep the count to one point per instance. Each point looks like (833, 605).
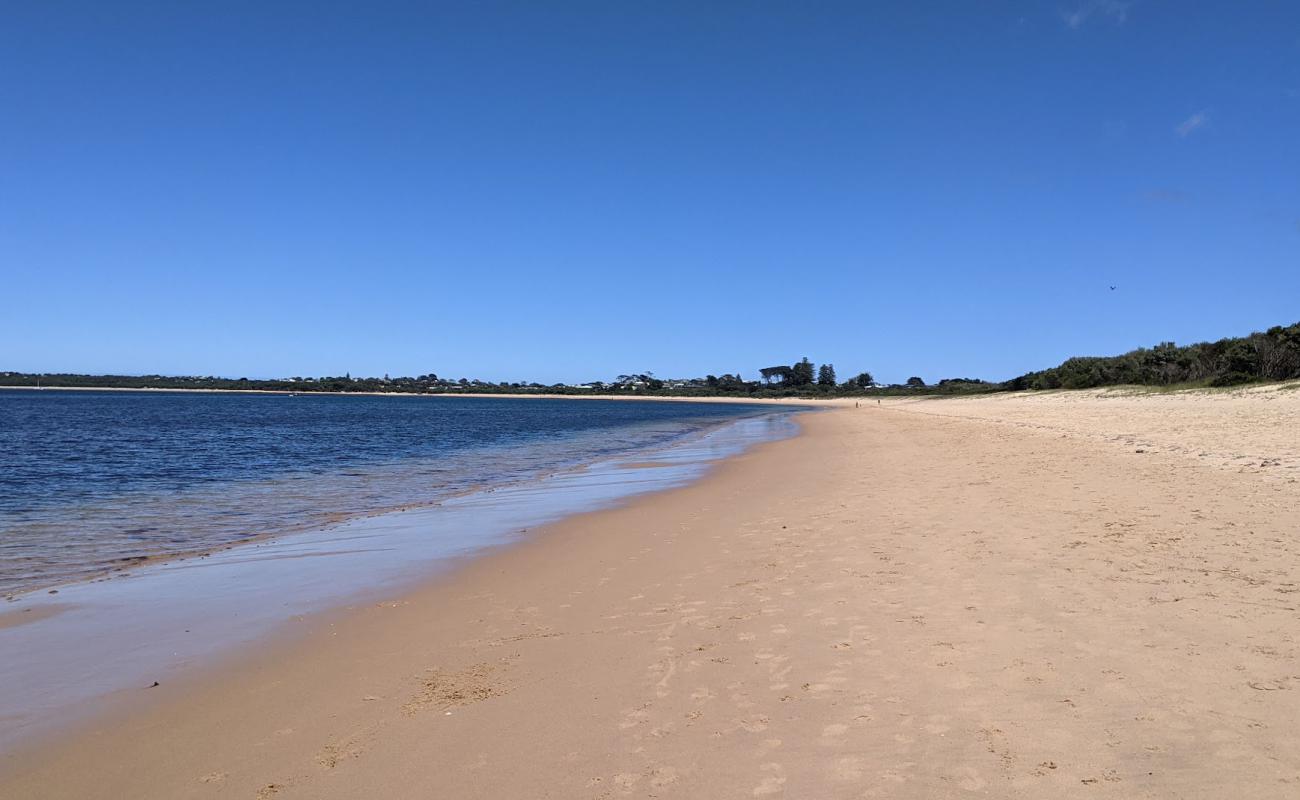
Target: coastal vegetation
(802, 379)
(1273, 355)
(792, 381)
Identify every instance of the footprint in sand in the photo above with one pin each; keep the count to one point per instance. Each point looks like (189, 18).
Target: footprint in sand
(898, 774)
(703, 694)
(635, 717)
(336, 752)
(849, 768)
(773, 782)
(971, 781)
(663, 776)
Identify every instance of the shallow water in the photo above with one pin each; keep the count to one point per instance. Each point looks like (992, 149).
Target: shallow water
(91, 481)
(62, 652)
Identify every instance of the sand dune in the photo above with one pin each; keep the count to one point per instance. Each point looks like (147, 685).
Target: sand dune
(991, 597)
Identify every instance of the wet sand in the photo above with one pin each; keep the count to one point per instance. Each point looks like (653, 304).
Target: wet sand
(160, 622)
(933, 599)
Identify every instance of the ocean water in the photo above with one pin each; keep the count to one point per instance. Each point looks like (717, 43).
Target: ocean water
(90, 477)
(93, 482)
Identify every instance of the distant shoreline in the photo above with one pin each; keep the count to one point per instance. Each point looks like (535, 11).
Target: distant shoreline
(810, 401)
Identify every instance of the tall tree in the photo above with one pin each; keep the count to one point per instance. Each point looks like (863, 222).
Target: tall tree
(864, 380)
(801, 374)
(769, 373)
(826, 375)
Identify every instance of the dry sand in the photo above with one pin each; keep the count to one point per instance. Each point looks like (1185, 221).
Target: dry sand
(1251, 429)
(995, 597)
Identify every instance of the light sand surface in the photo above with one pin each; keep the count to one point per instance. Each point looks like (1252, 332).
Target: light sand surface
(1250, 429)
(991, 597)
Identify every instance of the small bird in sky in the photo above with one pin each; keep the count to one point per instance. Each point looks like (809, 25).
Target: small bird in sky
(1112, 288)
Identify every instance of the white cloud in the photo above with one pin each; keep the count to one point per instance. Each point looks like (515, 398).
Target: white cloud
(1195, 121)
(1113, 10)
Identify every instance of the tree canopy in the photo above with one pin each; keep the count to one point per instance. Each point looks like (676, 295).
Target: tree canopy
(801, 374)
(1273, 355)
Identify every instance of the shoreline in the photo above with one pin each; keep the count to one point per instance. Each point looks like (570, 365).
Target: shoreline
(426, 542)
(889, 605)
(127, 566)
(815, 401)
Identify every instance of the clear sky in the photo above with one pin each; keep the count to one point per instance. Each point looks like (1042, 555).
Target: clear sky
(568, 191)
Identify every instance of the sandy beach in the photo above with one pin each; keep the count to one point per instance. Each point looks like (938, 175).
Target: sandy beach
(1058, 595)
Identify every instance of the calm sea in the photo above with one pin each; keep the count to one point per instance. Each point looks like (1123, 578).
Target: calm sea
(93, 481)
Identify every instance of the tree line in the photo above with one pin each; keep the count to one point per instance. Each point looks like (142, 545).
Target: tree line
(801, 379)
(1271, 355)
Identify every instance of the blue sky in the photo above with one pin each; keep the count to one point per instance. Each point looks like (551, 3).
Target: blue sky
(567, 191)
